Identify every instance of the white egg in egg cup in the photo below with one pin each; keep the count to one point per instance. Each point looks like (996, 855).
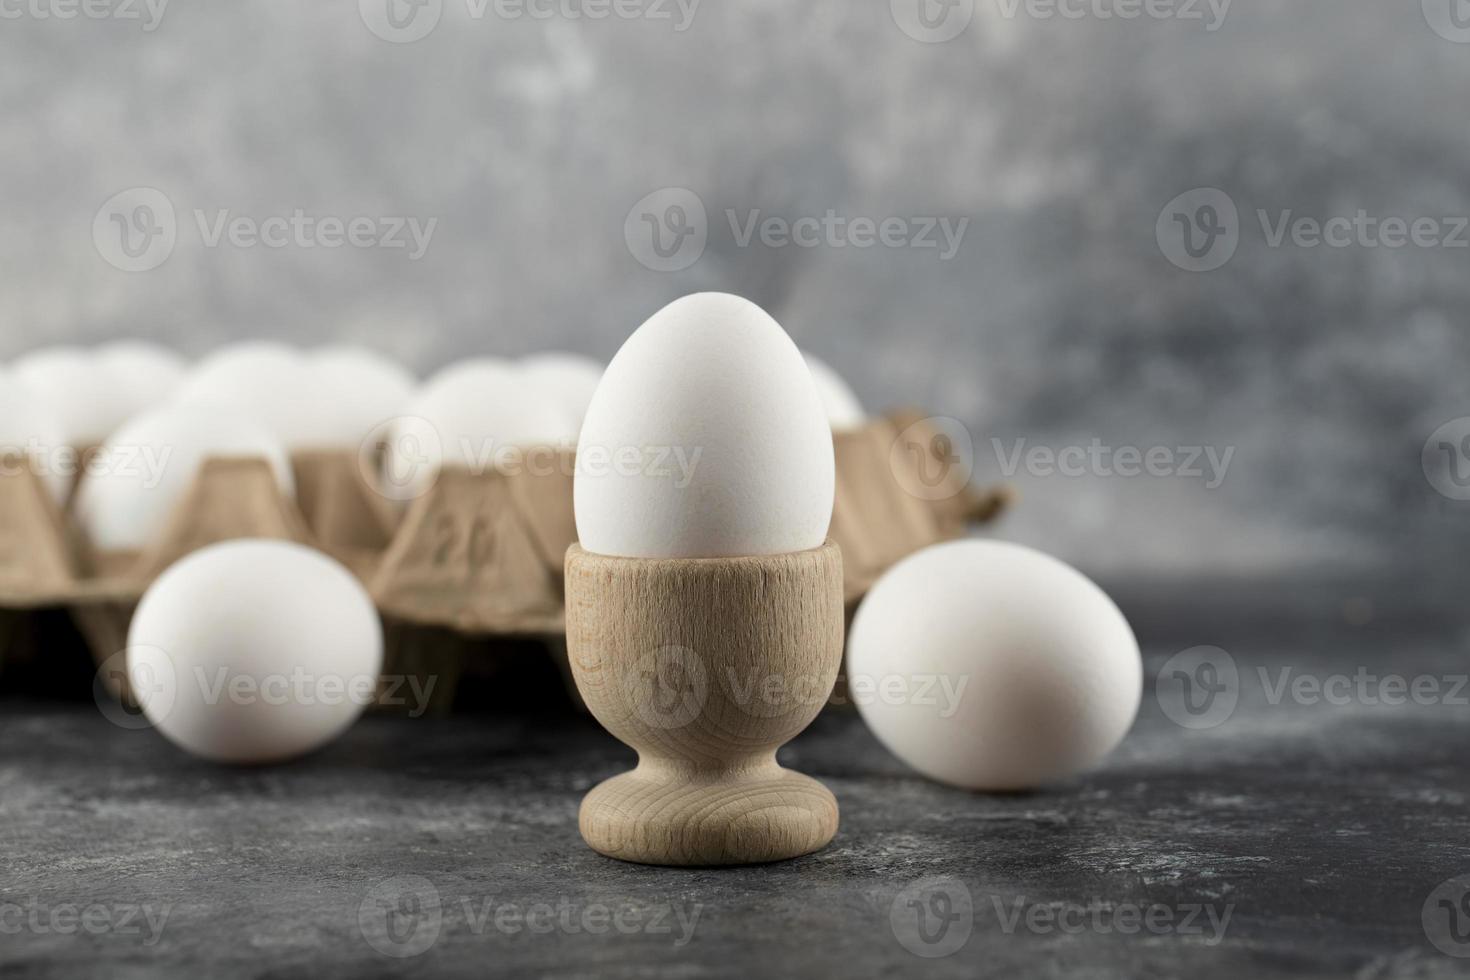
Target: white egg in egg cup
(768, 631)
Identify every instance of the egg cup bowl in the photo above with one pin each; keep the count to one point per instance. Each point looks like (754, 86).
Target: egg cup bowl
(706, 666)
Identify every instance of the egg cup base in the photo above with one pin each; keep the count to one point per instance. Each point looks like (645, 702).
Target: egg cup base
(729, 818)
(706, 666)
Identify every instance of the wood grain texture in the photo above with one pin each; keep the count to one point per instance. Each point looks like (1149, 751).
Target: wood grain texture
(706, 666)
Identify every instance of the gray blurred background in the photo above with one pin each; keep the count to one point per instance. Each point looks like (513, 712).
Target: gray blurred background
(1062, 316)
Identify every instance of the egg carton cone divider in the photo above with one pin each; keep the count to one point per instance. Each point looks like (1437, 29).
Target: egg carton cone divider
(37, 560)
(348, 518)
(706, 666)
(467, 558)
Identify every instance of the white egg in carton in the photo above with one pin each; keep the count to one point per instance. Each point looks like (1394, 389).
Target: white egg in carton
(262, 441)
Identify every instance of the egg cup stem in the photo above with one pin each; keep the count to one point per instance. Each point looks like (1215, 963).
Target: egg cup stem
(706, 666)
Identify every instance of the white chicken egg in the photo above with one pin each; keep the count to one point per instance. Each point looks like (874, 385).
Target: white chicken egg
(567, 379)
(705, 438)
(362, 389)
(30, 430)
(993, 666)
(139, 475)
(844, 411)
(268, 381)
(478, 414)
(144, 374)
(252, 652)
(76, 390)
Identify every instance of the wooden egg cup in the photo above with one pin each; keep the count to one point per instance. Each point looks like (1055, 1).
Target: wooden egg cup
(706, 666)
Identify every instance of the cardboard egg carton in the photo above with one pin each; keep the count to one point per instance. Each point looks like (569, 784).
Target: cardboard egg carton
(474, 554)
(878, 519)
(478, 555)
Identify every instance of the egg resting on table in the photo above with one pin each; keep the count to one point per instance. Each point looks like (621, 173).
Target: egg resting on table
(252, 651)
(993, 666)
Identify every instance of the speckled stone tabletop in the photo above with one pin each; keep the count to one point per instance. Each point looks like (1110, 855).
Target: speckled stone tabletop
(1281, 833)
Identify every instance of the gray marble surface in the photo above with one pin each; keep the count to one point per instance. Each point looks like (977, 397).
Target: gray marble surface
(1296, 837)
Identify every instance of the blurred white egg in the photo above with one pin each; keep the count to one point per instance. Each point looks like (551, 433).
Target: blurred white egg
(144, 374)
(706, 438)
(134, 482)
(252, 652)
(477, 414)
(30, 430)
(74, 387)
(362, 390)
(270, 382)
(569, 380)
(993, 666)
(844, 411)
